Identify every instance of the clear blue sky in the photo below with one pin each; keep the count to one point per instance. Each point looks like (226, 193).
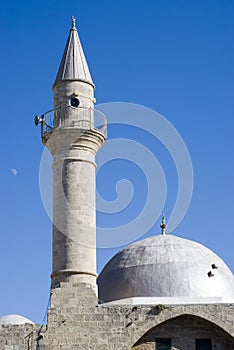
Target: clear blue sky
(175, 57)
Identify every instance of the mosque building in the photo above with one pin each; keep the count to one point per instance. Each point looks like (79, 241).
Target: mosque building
(163, 292)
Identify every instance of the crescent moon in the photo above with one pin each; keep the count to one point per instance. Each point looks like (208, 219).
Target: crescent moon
(14, 171)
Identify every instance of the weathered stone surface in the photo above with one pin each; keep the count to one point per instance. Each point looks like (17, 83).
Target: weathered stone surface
(76, 321)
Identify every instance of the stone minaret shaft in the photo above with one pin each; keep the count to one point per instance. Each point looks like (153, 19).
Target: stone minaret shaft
(73, 140)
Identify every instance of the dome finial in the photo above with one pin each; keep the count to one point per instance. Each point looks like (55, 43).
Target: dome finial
(163, 225)
(73, 22)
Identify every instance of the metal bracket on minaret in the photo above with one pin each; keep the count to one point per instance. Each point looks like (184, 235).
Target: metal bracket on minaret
(163, 225)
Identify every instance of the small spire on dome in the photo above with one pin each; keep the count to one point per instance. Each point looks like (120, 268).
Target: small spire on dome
(73, 22)
(163, 225)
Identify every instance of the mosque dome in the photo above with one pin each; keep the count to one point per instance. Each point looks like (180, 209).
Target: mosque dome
(166, 267)
(14, 320)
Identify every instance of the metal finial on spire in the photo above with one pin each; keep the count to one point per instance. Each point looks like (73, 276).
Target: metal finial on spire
(73, 22)
(163, 225)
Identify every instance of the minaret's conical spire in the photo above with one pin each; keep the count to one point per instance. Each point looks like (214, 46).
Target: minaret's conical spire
(73, 65)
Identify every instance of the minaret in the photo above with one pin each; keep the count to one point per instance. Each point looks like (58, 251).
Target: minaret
(73, 132)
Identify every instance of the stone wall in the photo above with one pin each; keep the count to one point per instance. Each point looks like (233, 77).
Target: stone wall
(21, 337)
(75, 321)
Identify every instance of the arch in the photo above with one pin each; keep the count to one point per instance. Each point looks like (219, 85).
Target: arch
(183, 330)
(211, 315)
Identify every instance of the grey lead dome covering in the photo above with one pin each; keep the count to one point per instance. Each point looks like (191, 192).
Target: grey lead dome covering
(165, 266)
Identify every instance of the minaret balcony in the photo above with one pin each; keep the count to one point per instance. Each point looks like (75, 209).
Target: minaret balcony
(81, 118)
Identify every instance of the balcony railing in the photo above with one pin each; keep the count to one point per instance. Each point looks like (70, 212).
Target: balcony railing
(84, 118)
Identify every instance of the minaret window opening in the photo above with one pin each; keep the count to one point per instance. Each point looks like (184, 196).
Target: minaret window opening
(74, 102)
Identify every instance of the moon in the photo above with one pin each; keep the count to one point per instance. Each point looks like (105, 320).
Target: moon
(14, 171)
